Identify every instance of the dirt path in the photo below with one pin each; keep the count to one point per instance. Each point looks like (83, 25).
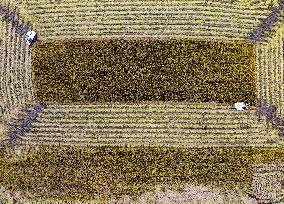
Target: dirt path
(12, 16)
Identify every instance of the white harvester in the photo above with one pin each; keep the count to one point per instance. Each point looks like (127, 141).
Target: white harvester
(30, 37)
(241, 106)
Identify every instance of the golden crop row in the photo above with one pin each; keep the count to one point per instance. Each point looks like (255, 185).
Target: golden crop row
(15, 70)
(48, 12)
(270, 70)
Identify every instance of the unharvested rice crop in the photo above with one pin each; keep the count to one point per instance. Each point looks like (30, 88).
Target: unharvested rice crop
(120, 70)
(107, 172)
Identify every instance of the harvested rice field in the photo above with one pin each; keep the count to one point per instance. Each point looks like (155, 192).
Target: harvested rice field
(135, 70)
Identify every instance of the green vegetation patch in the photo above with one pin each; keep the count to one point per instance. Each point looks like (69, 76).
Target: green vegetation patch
(133, 70)
(106, 172)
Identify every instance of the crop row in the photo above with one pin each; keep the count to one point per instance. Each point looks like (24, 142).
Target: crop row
(197, 129)
(15, 69)
(152, 104)
(162, 134)
(270, 70)
(61, 117)
(57, 20)
(144, 120)
(145, 25)
(144, 126)
(152, 143)
(198, 29)
(132, 5)
(148, 19)
(151, 112)
(198, 144)
(151, 12)
(139, 35)
(93, 31)
(150, 139)
(240, 4)
(145, 110)
(142, 113)
(57, 34)
(120, 27)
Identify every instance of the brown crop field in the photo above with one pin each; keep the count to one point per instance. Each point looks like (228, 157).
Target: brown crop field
(117, 70)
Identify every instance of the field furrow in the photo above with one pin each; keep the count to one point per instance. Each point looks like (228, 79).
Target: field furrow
(102, 125)
(90, 19)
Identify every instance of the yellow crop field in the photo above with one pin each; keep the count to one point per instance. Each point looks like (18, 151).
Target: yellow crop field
(89, 173)
(116, 98)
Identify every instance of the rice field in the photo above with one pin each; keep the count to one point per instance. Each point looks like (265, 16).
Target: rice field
(270, 70)
(133, 52)
(118, 70)
(221, 20)
(113, 172)
(15, 71)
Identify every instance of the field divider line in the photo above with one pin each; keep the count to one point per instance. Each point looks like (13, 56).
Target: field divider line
(134, 124)
(144, 123)
(276, 71)
(191, 34)
(28, 67)
(266, 79)
(200, 144)
(150, 139)
(131, 127)
(66, 17)
(140, 19)
(143, 116)
(146, 120)
(8, 67)
(22, 69)
(149, 27)
(281, 67)
(262, 71)
(151, 112)
(181, 146)
(160, 135)
(141, 9)
(258, 71)
(271, 70)
(2, 68)
(257, 7)
(14, 68)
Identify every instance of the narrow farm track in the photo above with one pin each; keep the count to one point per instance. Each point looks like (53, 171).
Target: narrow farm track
(18, 17)
(179, 19)
(154, 124)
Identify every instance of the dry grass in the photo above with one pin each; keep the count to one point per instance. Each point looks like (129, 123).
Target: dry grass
(267, 186)
(3, 132)
(192, 193)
